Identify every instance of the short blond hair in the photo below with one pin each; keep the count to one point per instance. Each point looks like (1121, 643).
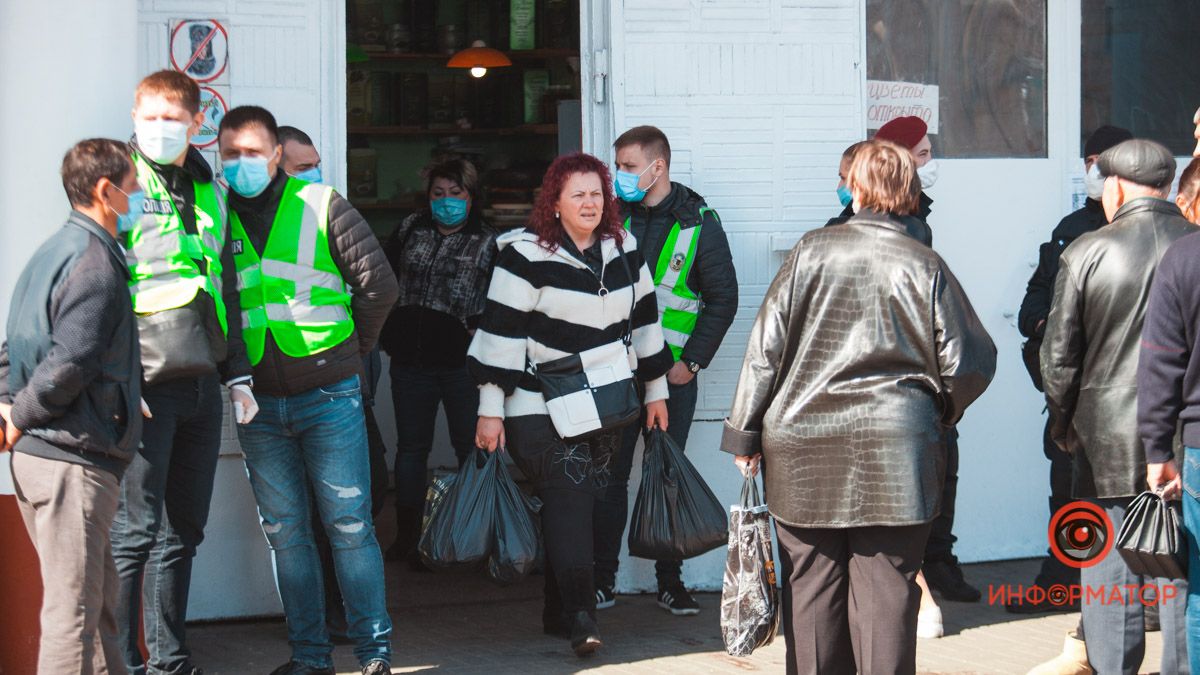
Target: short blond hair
(883, 177)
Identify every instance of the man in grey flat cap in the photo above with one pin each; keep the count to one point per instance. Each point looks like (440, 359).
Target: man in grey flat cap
(1089, 366)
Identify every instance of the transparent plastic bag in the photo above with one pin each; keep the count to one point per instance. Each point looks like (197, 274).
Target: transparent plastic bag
(750, 610)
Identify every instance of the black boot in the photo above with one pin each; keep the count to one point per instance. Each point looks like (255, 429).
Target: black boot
(554, 621)
(578, 589)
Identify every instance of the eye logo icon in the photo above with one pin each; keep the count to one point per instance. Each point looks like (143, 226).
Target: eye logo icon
(1081, 534)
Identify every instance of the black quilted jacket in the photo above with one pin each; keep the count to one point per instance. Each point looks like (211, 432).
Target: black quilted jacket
(865, 351)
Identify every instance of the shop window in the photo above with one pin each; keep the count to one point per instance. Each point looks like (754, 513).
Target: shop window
(987, 60)
(407, 107)
(1141, 69)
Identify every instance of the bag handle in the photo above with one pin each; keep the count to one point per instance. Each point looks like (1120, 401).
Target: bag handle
(750, 494)
(627, 338)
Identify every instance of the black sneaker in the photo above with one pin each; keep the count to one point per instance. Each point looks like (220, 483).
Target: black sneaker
(605, 597)
(946, 578)
(678, 601)
(297, 668)
(377, 667)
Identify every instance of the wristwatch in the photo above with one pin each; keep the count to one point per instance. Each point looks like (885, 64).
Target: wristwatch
(692, 366)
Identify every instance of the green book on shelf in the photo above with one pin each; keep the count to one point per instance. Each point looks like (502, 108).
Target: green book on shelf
(522, 24)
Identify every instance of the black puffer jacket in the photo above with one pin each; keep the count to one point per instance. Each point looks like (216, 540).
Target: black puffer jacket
(1093, 338)
(71, 367)
(712, 276)
(1039, 292)
(363, 266)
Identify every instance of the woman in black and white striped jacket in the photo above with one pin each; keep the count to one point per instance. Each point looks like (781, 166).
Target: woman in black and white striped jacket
(559, 288)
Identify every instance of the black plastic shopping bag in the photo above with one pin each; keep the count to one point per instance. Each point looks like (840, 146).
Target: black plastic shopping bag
(461, 527)
(749, 596)
(516, 550)
(1151, 539)
(676, 515)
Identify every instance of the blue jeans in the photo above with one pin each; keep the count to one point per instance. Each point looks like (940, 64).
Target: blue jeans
(1191, 523)
(165, 495)
(319, 438)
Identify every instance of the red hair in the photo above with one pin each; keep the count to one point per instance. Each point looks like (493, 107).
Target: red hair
(543, 222)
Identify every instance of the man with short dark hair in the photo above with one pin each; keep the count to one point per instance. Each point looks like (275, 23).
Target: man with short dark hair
(315, 288)
(1089, 360)
(300, 157)
(184, 292)
(70, 385)
(682, 240)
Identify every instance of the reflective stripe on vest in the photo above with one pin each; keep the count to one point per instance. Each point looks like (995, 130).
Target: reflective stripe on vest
(294, 291)
(678, 306)
(164, 259)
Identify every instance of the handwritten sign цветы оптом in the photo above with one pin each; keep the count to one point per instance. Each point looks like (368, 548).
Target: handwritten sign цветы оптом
(888, 100)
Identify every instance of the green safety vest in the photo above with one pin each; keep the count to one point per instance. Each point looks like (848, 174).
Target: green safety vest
(164, 260)
(295, 290)
(678, 305)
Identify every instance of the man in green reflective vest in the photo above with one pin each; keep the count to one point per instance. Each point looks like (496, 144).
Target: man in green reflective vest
(316, 289)
(184, 291)
(684, 244)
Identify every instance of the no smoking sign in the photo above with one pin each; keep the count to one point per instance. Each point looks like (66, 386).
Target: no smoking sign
(200, 49)
(213, 106)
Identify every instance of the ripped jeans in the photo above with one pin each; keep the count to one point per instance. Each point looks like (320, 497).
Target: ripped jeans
(319, 434)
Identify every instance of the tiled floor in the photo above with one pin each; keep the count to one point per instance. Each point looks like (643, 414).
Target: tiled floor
(461, 623)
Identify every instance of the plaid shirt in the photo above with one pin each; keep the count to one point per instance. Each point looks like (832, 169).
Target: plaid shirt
(448, 273)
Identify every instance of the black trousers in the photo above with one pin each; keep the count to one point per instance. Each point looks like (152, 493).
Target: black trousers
(850, 598)
(570, 478)
(941, 536)
(1053, 571)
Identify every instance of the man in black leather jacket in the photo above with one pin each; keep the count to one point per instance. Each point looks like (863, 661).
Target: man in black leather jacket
(1089, 366)
(1031, 321)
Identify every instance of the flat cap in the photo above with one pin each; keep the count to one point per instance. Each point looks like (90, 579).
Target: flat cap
(1140, 161)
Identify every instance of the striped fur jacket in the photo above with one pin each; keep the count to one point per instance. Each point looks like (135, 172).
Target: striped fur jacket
(544, 305)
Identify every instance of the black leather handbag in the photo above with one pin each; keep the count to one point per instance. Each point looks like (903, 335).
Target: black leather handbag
(594, 390)
(1151, 539)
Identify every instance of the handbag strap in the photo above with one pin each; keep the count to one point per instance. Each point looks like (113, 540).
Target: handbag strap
(627, 338)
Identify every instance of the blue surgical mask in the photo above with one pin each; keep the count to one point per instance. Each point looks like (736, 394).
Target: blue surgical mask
(626, 185)
(248, 176)
(312, 175)
(449, 211)
(126, 221)
(844, 195)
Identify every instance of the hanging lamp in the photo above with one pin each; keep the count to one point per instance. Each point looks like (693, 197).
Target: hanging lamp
(479, 57)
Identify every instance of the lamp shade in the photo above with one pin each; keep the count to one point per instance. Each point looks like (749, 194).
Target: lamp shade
(479, 55)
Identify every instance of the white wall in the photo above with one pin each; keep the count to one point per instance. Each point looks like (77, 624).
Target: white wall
(67, 69)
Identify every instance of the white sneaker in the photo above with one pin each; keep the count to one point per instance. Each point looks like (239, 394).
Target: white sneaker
(929, 623)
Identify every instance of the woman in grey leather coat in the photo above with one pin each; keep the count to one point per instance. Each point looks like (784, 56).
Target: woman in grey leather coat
(864, 353)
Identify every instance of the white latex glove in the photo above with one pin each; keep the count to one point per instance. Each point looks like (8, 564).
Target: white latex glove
(244, 405)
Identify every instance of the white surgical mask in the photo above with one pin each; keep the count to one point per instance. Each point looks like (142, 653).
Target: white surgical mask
(162, 141)
(1093, 182)
(928, 174)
